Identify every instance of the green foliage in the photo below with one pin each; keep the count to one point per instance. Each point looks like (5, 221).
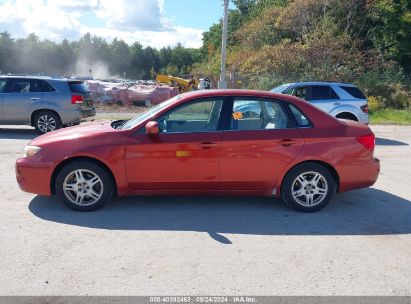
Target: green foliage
(116, 58)
(392, 32)
(364, 42)
(390, 116)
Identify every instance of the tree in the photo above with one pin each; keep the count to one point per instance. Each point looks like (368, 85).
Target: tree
(6, 52)
(392, 34)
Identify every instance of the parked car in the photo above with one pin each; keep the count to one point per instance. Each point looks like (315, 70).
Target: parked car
(202, 143)
(45, 103)
(342, 100)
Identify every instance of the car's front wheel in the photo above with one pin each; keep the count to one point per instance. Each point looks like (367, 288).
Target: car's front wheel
(84, 186)
(308, 187)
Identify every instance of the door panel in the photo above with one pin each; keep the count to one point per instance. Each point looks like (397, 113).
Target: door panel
(261, 141)
(253, 160)
(18, 107)
(174, 161)
(184, 155)
(19, 100)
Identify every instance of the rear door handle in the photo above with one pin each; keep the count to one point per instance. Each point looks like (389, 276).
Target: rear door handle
(337, 103)
(207, 145)
(34, 98)
(288, 142)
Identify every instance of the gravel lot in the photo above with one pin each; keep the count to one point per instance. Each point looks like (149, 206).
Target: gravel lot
(359, 245)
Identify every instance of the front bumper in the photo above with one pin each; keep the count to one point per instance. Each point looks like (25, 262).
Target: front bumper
(33, 176)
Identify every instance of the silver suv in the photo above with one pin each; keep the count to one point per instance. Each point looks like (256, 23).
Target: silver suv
(341, 100)
(43, 102)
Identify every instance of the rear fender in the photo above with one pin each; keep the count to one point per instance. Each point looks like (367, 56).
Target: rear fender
(346, 109)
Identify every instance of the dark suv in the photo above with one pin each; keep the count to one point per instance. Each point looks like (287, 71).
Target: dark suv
(43, 102)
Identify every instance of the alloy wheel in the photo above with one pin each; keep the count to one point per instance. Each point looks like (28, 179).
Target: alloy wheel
(83, 187)
(309, 189)
(46, 123)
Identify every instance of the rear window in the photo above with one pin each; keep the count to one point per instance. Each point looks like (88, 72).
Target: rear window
(354, 92)
(78, 87)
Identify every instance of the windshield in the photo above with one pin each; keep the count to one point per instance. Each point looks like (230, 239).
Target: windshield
(280, 88)
(139, 119)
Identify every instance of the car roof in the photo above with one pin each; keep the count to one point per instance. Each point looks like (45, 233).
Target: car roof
(237, 92)
(40, 77)
(322, 83)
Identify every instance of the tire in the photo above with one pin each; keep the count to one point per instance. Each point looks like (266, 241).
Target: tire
(91, 180)
(46, 121)
(314, 182)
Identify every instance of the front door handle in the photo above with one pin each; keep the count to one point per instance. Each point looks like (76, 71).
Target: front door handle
(207, 145)
(34, 98)
(287, 142)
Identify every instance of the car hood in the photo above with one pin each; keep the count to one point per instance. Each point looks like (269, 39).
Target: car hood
(74, 133)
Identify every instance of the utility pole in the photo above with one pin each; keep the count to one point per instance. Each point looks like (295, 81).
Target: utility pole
(222, 84)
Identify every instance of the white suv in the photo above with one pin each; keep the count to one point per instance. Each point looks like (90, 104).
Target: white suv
(341, 100)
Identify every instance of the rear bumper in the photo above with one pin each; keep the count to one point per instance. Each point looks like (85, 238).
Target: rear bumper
(33, 176)
(88, 112)
(359, 175)
(364, 118)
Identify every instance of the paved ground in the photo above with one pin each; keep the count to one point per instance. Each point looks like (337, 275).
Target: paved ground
(359, 245)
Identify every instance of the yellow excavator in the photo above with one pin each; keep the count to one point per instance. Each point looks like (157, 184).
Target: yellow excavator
(184, 85)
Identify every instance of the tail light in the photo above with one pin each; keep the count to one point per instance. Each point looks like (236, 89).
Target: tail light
(364, 108)
(368, 141)
(77, 99)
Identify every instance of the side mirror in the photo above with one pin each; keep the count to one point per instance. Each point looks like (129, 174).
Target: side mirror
(152, 128)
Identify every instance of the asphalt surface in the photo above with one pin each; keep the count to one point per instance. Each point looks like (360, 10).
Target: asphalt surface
(358, 245)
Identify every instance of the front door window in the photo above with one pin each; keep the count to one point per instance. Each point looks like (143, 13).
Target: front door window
(192, 117)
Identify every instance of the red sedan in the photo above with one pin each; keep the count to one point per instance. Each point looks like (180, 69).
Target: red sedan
(208, 142)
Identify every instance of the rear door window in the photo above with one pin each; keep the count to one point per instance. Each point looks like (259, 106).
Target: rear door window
(40, 86)
(45, 86)
(249, 114)
(354, 92)
(319, 92)
(322, 93)
(78, 87)
(301, 119)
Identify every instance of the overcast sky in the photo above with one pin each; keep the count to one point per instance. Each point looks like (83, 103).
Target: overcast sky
(156, 23)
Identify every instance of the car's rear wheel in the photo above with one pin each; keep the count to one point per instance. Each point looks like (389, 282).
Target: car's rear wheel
(46, 121)
(84, 186)
(308, 187)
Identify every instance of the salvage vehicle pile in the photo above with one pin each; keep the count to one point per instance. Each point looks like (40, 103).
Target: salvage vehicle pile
(127, 93)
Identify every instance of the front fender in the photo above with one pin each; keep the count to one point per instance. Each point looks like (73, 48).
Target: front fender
(110, 156)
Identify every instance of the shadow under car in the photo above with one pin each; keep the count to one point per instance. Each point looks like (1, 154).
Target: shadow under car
(362, 212)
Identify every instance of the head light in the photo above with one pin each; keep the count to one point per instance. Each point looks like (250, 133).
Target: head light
(30, 151)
